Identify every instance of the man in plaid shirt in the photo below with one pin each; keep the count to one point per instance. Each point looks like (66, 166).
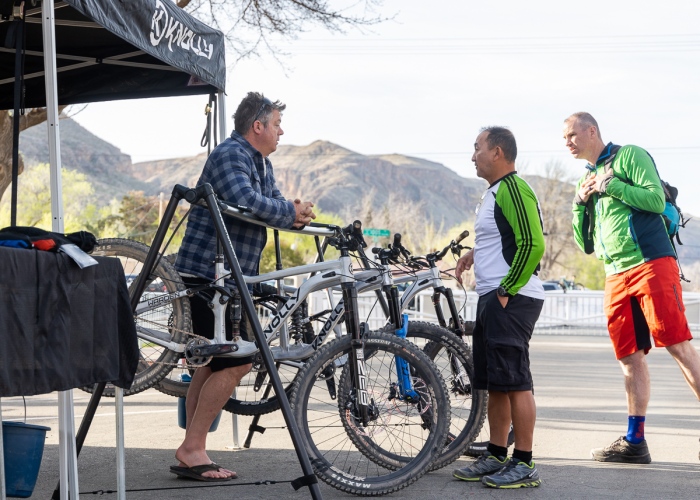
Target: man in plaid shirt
(240, 172)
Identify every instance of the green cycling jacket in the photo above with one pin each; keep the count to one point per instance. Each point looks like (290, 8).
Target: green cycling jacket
(624, 226)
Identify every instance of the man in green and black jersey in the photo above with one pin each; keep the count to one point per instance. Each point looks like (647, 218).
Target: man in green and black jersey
(506, 255)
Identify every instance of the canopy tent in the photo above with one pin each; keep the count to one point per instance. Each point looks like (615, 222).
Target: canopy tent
(81, 51)
(109, 50)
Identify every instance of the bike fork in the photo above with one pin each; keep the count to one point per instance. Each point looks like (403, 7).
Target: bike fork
(357, 354)
(403, 370)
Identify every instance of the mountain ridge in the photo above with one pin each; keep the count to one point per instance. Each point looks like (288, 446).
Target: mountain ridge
(335, 178)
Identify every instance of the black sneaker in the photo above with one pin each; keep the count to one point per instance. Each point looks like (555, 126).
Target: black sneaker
(478, 448)
(623, 451)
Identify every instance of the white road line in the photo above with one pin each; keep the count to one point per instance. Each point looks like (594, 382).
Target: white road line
(78, 417)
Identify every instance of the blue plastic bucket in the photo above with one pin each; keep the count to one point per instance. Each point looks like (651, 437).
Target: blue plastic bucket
(182, 410)
(23, 446)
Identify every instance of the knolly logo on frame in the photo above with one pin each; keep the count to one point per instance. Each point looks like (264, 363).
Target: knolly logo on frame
(164, 27)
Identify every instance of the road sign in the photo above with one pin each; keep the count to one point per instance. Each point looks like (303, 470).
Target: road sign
(376, 233)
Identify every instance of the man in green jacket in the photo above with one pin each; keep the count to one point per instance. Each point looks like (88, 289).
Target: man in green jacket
(617, 213)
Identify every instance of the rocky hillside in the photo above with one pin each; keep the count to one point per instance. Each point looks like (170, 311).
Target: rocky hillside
(339, 180)
(104, 165)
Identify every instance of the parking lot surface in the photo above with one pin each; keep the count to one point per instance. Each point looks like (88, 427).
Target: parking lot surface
(581, 405)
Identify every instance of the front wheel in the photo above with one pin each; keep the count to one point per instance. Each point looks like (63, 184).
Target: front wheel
(453, 359)
(325, 406)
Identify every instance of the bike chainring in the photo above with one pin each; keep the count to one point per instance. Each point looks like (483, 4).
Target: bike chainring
(189, 352)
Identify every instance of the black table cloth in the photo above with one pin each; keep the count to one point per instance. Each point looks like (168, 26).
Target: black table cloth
(63, 327)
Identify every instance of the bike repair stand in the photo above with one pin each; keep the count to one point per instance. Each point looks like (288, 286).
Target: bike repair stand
(206, 194)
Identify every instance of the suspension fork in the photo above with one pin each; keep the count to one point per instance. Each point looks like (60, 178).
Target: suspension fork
(438, 308)
(357, 354)
(400, 323)
(447, 292)
(455, 366)
(403, 369)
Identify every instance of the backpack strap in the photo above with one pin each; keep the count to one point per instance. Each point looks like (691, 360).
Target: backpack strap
(611, 154)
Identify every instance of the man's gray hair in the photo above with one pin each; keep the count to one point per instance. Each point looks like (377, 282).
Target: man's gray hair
(254, 106)
(503, 138)
(586, 120)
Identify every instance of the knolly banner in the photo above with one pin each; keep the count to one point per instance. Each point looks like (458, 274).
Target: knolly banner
(167, 29)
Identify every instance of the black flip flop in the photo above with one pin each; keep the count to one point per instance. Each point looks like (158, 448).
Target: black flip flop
(197, 471)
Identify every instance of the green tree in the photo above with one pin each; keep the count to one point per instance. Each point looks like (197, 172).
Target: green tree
(555, 191)
(34, 200)
(296, 248)
(290, 257)
(587, 270)
(138, 217)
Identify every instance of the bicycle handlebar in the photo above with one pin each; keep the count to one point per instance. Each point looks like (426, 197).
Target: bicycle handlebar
(454, 246)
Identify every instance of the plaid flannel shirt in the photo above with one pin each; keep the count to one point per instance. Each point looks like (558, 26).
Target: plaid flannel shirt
(238, 174)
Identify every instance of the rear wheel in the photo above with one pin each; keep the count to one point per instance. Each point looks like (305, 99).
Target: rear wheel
(169, 321)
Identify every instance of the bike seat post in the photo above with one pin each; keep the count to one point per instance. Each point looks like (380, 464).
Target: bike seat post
(218, 307)
(284, 334)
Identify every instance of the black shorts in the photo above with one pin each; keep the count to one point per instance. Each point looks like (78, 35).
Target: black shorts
(501, 342)
(203, 325)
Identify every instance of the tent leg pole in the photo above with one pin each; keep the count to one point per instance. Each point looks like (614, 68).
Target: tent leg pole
(2, 459)
(84, 427)
(119, 410)
(68, 460)
(234, 421)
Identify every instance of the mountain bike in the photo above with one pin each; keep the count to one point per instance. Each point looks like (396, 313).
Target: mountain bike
(356, 376)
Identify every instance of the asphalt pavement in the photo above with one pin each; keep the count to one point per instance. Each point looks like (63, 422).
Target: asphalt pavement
(581, 405)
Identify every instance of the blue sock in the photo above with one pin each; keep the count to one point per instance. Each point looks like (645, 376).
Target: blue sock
(635, 429)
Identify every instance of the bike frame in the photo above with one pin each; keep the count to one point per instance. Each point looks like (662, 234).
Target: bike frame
(328, 274)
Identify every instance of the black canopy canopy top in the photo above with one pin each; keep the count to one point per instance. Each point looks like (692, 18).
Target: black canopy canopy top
(111, 49)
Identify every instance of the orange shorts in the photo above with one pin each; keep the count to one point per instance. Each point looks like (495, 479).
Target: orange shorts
(642, 301)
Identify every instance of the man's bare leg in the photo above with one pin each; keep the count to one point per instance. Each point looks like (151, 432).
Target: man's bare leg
(523, 413)
(200, 376)
(637, 383)
(499, 415)
(211, 397)
(688, 360)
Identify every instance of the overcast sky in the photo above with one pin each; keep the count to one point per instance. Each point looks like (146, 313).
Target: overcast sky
(424, 83)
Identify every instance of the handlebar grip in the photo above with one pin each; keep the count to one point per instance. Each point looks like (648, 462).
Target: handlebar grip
(462, 235)
(397, 240)
(376, 250)
(357, 230)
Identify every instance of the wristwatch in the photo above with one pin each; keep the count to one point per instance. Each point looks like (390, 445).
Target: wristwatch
(502, 292)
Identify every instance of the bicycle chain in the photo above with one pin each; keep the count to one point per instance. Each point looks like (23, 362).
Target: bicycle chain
(187, 333)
